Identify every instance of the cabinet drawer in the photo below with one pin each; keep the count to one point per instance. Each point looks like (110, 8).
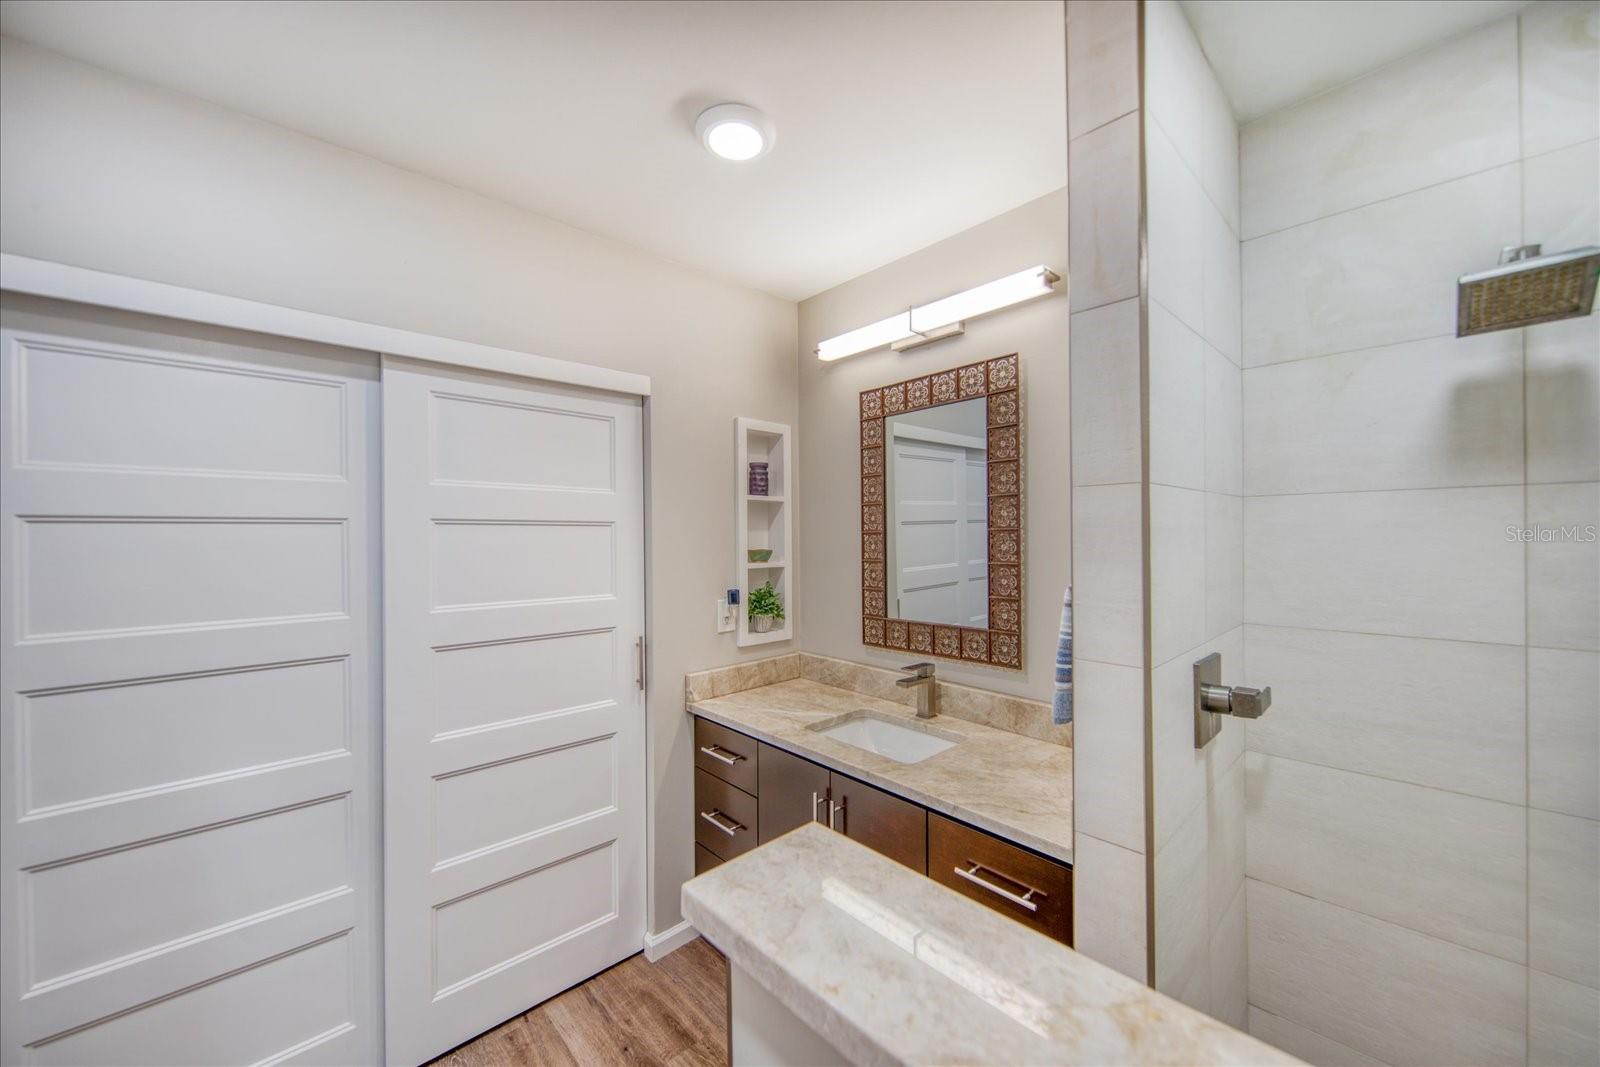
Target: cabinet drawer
(722, 752)
(724, 817)
(1001, 875)
(705, 859)
(882, 821)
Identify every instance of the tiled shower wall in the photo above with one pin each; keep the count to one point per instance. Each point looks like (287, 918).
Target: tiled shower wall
(1196, 516)
(1423, 833)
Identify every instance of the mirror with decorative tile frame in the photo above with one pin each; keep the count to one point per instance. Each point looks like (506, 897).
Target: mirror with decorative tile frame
(941, 514)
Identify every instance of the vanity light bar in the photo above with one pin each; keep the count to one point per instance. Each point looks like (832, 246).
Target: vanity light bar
(941, 318)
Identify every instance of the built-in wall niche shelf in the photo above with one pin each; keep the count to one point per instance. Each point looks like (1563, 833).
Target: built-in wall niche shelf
(763, 521)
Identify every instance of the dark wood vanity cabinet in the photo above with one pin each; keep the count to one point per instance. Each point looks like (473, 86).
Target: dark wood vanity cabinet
(725, 811)
(725, 754)
(794, 791)
(1013, 881)
(748, 793)
(725, 817)
(882, 821)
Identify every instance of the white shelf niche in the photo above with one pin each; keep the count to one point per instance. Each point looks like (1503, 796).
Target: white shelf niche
(764, 522)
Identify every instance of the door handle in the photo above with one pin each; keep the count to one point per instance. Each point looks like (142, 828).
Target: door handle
(838, 809)
(639, 677)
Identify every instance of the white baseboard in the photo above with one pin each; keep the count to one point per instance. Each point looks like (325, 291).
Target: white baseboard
(668, 941)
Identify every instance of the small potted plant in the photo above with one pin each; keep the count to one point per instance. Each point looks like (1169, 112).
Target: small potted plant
(766, 610)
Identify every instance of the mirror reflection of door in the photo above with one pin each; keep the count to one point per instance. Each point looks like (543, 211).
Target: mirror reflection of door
(937, 493)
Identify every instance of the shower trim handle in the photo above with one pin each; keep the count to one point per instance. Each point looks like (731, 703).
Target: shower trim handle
(1212, 699)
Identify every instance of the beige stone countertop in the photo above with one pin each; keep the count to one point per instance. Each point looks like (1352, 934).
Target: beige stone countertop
(890, 967)
(1013, 786)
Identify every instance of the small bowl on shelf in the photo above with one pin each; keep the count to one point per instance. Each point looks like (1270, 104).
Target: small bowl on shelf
(758, 555)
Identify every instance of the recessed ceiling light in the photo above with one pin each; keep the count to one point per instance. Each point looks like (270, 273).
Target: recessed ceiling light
(734, 131)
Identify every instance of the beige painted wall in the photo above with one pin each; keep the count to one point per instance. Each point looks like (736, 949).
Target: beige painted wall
(103, 172)
(828, 608)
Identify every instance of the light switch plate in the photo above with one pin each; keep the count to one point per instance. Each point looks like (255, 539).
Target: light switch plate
(724, 616)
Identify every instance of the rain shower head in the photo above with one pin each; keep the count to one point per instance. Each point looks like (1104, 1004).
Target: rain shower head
(1527, 288)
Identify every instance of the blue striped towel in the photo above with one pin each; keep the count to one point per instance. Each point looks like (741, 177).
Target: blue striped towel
(1061, 703)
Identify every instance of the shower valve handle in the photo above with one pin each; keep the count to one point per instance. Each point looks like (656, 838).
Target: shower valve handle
(1240, 701)
(1213, 699)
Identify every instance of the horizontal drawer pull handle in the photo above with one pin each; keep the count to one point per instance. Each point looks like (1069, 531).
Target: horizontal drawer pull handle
(715, 752)
(715, 817)
(1026, 899)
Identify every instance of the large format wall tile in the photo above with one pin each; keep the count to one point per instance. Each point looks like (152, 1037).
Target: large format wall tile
(1183, 936)
(1436, 412)
(1564, 566)
(1224, 563)
(1108, 724)
(1220, 285)
(1561, 197)
(1310, 1046)
(1177, 571)
(1177, 384)
(1376, 275)
(1108, 904)
(1443, 114)
(1564, 896)
(1423, 563)
(1225, 842)
(1102, 62)
(1444, 864)
(1563, 374)
(1105, 395)
(1446, 714)
(1175, 230)
(1560, 74)
(1563, 1022)
(1108, 574)
(1183, 95)
(1229, 986)
(1564, 731)
(1103, 214)
(1387, 992)
(1224, 434)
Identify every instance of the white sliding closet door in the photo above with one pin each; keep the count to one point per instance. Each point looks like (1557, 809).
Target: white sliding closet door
(187, 830)
(514, 725)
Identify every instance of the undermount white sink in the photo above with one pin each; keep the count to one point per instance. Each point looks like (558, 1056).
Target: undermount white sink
(887, 737)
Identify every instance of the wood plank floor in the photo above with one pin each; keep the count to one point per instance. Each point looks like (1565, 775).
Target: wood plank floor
(673, 1013)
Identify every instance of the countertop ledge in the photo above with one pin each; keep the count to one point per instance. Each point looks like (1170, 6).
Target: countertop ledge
(892, 968)
(1013, 786)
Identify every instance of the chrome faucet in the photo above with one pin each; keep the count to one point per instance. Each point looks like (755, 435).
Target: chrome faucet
(921, 679)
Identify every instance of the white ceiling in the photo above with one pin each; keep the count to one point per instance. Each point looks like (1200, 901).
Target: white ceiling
(1269, 55)
(898, 123)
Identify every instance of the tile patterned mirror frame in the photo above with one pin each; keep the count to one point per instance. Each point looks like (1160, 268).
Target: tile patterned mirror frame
(999, 381)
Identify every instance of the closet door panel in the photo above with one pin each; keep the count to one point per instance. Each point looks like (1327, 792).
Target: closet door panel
(514, 724)
(187, 819)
